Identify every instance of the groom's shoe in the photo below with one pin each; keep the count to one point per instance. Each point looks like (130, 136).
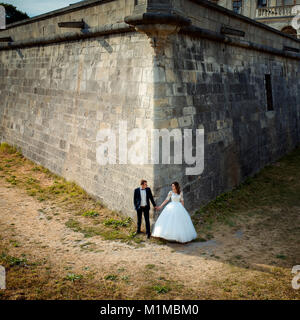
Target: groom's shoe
(148, 235)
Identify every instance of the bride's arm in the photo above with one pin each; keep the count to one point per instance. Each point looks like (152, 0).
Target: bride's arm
(181, 198)
(164, 203)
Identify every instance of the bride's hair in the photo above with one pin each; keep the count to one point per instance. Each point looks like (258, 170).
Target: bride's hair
(177, 187)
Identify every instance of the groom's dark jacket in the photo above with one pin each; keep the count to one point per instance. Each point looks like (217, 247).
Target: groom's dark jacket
(137, 198)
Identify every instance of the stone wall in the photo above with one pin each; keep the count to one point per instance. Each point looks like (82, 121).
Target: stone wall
(56, 97)
(93, 12)
(221, 89)
(272, 15)
(58, 89)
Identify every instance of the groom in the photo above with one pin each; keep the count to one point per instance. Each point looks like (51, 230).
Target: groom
(141, 198)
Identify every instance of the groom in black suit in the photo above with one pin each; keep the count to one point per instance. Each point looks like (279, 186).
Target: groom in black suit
(141, 199)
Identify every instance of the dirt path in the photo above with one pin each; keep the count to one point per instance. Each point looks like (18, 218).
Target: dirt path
(52, 240)
(217, 268)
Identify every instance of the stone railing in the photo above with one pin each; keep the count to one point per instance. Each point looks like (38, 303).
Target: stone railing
(280, 11)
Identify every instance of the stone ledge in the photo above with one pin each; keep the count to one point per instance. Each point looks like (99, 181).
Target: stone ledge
(70, 8)
(70, 36)
(230, 13)
(157, 18)
(215, 36)
(150, 19)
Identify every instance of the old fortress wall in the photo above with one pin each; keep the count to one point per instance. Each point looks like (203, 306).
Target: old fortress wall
(156, 64)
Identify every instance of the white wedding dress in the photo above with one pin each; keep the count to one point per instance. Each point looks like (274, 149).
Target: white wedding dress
(174, 223)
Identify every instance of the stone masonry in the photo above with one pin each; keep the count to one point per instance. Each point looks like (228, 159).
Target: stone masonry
(156, 64)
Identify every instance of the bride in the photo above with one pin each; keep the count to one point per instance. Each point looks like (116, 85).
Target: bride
(174, 222)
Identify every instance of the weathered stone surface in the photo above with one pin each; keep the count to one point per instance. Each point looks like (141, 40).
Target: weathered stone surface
(55, 98)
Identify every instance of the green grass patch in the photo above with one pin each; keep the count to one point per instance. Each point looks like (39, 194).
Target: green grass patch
(125, 222)
(74, 225)
(14, 243)
(111, 277)
(12, 261)
(12, 180)
(73, 277)
(90, 213)
(274, 185)
(6, 148)
(161, 289)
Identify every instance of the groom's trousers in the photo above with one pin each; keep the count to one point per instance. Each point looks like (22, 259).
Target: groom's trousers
(146, 216)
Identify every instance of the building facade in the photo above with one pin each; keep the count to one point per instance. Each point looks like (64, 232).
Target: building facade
(277, 14)
(156, 64)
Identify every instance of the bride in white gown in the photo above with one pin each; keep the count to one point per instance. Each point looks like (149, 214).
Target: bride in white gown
(174, 223)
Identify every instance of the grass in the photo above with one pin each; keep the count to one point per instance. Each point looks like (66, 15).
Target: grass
(90, 213)
(45, 186)
(12, 261)
(118, 223)
(106, 233)
(14, 243)
(89, 246)
(73, 277)
(267, 200)
(74, 225)
(8, 149)
(111, 277)
(273, 186)
(161, 289)
(29, 279)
